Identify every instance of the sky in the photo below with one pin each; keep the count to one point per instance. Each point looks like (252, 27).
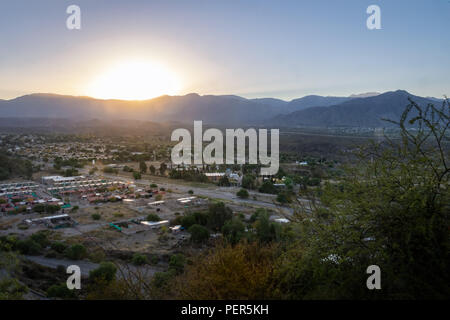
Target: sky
(252, 48)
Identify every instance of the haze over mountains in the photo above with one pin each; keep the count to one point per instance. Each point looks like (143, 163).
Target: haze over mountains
(364, 110)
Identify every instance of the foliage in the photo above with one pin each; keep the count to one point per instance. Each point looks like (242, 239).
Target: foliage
(96, 216)
(153, 217)
(60, 291)
(227, 272)
(177, 262)
(243, 194)
(268, 187)
(76, 252)
(142, 167)
(139, 259)
(106, 271)
(233, 230)
(199, 234)
(218, 214)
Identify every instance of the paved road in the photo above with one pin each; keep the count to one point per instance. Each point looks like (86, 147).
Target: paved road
(85, 266)
(128, 270)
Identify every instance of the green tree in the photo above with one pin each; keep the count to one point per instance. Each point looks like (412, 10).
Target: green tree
(218, 214)
(233, 230)
(137, 175)
(105, 272)
(243, 194)
(153, 217)
(199, 234)
(142, 166)
(162, 168)
(76, 252)
(248, 181)
(139, 259)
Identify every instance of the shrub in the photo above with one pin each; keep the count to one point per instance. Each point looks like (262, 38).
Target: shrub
(29, 246)
(177, 262)
(96, 216)
(199, 234)
(233, 230)
(243, 194)
(268, 187)
(60, 291)
(218, 214)
(139, 259)
(58, 246)
(76, 252)
(153, 217)
(106, 272)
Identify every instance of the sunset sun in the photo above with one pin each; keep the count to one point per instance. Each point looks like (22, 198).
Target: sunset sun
(134, 80)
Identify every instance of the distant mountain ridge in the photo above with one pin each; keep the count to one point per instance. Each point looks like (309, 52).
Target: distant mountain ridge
(357, 112)
(311, 110)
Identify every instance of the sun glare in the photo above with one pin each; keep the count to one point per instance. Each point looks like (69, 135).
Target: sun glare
(134, 81)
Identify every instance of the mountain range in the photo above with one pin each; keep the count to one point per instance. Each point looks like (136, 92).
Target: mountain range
(363, 110)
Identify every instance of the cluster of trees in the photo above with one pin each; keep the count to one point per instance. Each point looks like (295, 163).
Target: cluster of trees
(188, 175)
(11, 167)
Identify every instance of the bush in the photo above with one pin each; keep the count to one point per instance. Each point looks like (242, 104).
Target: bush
(58, 246)
(283, 197)
(96, 216)
(153, 185)
(218, 214)
(139, 259)
(137, 175)
(105, 272)
(199, 234)
(268, 187)
(233, 230)
(28, 246)
(41, 238)
(153, 217)
(76, 252)
(60, 291)
(191, 191)
(243, 194)
(177, 262)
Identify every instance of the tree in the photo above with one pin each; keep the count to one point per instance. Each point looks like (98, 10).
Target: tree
(76, 252)
(137, 175)
(224, 182)
(106, 271)
(162, 168)
(243, 194)
(248, 181)
(218, 214)
(153, 217)
(233, 230)
(268, 187)
(96, 216)
(60, 291)
(142, 166)
(139, 259)
(241, 272)
(199, 234)
(177, 262)
(266, 231)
